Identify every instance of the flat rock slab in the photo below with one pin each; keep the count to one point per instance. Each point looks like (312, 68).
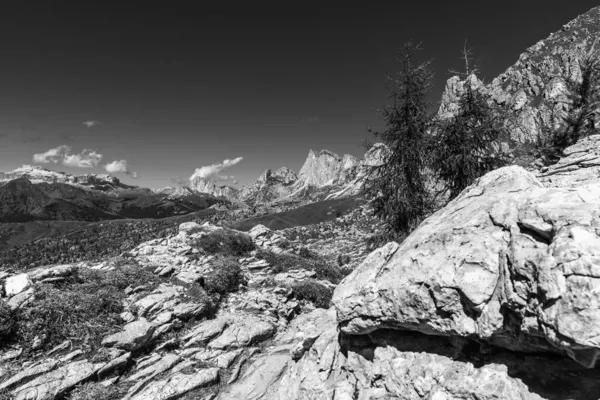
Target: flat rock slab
(134, 336)
(56, 383)
(177, 385)
(243, 330)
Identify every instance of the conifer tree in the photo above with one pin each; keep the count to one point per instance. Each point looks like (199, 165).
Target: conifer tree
(397, 186)
(584, 101)
(466, 145)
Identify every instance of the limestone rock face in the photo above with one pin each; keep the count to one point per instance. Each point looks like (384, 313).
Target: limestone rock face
(204, 186)
(270, 186)
(534, 87)
(320, 169)
(580, 166)
(509, 262)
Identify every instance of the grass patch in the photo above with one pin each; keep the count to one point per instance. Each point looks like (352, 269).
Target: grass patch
(314, 292)
(95, 391)
(83, 309)
(8, 320)
(284, 262)
(225, 277)
(225, 241)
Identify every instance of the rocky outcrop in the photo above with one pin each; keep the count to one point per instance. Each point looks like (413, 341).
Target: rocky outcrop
(579, 166)
(508, 262)
(208, 187)
(535, 86)
(270, 186)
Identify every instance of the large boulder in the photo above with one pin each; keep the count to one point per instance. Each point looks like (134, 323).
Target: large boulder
(508, 262)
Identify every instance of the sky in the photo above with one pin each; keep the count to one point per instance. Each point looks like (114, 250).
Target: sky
(157, 92)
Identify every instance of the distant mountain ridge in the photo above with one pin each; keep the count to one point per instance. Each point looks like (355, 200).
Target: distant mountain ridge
(324, 174)
(36, 174)
(35, 193)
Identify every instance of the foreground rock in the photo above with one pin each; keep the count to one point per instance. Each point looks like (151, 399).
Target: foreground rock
(508, 262)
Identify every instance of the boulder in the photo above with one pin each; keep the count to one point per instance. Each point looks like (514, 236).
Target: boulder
(259, 231)
(508, 262)
(16, 284)
(134, 336)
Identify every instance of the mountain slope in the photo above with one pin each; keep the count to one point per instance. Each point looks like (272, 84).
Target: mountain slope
(535, 86)
(33, 193)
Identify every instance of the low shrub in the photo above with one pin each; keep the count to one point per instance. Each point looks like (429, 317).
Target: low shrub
(314, 292)
(83, 309)
(8, 320)
(95, 391)
(284, 262)
(225, 241)
(225, 277)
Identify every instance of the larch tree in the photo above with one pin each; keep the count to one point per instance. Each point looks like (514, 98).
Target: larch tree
(397, 185)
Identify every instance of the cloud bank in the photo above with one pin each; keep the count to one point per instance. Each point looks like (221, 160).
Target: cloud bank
(211, 171)
(120, 166)
(62, 154)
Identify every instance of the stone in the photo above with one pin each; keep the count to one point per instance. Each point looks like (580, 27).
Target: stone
(155, 366)
(259, 231)
(29, 374)
(115, 364)
(189, 228)
(16, 284)
(205, 331)
(186, 311)
(177, 384)
(505, 243)
(21, 300)
(133, 337)
(579, 167)
(55, 383)
(57, 271)
(242, 331)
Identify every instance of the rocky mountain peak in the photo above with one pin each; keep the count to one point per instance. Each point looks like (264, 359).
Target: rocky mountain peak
(534, 87)
(211, 188)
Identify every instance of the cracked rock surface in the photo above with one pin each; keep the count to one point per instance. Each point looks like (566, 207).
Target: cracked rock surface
(509, 262)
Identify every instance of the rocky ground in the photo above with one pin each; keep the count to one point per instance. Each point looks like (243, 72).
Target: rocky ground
(495, 296)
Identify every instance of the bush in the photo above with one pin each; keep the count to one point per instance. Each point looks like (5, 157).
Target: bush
(312, 262)
(84, 309)
(8, 320)
(314, 292)
(95, 391)
(225, 278)
(225, 241)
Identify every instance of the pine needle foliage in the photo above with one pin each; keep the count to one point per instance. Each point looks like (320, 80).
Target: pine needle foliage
(397, 185)
(466, 145)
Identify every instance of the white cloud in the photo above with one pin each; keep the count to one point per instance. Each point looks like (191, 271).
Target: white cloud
(91, 123)
(116, 166)
(120, 166)
(210, 171)
(53, 155)
(86, 159)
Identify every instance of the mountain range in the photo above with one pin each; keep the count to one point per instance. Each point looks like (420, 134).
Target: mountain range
(37, 193)
(324, 175)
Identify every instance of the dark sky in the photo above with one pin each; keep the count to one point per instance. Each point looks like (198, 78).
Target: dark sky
(178, 86)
